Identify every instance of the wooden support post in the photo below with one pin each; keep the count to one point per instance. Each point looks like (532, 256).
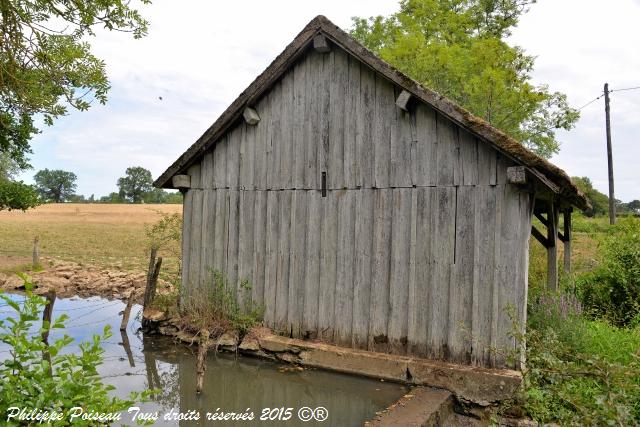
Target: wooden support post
(567, 241)
(552, 248)
(127, 347)
(36, 253)
(127, 311)
(201, 366)
(152, 277)
(46, 318)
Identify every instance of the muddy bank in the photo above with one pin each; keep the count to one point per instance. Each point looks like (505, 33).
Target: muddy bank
(69, 279)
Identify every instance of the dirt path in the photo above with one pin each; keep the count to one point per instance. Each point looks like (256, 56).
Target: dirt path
(69, 279)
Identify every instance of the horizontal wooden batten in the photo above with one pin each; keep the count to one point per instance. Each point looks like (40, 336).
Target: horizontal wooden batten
(181, 181)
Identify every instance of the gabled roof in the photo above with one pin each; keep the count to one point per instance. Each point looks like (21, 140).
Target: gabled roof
(541, 167)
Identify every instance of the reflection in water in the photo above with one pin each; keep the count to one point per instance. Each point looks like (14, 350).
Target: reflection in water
(231, 384)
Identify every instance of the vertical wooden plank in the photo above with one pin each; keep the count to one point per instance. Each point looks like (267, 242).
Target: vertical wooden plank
(461, 290)
(447, 154)
(526, 213)
(262, 143)
(312, 268)
(232, 240)
(247, 157)
(286, 140)
(208, 238)
(298, 122)
(427, 146)
(509, 266)
(271, 257)
(206, 179)
(345, 267)
(246, 241)
(259, 252)
(484, 273)
(498, 275)
(363, 261)
(187, 207)
(468, 157)
(324, 100)
(365, 129)
(399, 269)
(420, 294)
(233, 158)
(412, 296)
(378, 339)
(400, 169)
(312, 131)
(487, 156)
(297, 262)
(282, 275)
(220, 163)
(338, 88)
(196, 226)
(443, 252)
(221, 230)
(351, 119)
(385, 116)
(273, 137)
(328, 247)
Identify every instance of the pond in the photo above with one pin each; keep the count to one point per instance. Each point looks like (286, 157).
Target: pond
(134, 362)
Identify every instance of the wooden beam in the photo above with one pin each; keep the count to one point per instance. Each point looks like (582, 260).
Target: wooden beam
(517, 175)
(539, 236)
(402, 101)
(567, 241)
(542, 219)
(552, 249)
(181, 181)
(321, 44)
(251, 116)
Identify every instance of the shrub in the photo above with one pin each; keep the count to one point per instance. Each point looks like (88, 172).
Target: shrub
(612, 290)
(17, 195)
(222, 308)
(579, 371)
(69, 380)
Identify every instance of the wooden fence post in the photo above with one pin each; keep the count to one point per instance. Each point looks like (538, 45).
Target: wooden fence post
(152, 278)
(127, 347)
(127, 311)
(46, 317)
(200, 362)
(552, 249)
(36, 253)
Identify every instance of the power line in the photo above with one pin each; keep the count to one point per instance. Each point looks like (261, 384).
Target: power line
(626, 88)
(591, 102)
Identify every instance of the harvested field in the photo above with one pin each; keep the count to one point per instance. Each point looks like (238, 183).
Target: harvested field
(103, 235)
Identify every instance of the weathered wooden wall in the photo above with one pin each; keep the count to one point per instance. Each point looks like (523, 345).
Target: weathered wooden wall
(419, 247)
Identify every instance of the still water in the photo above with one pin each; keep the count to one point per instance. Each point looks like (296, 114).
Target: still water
(135, 362)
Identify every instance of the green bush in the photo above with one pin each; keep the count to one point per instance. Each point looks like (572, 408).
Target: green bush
(17, 195)
(579, 371)
(69, 380)
(612, 290)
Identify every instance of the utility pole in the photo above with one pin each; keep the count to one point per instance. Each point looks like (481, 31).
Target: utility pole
(612, 199)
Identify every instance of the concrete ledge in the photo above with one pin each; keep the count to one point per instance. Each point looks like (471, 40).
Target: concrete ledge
(423, 407)
(469, 383)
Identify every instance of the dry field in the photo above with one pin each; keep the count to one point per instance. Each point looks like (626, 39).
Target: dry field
(109, 235)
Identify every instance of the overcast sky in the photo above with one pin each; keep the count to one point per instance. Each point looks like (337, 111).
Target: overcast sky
(199, 55)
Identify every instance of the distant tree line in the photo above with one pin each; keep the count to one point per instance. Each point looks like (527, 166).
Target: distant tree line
(136, 186)
(600, 201)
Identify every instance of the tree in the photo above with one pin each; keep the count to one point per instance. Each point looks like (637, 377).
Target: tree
(634, 205)
(47, 64)
(55, 185)
(112, 198)
(458, 48)
(17, 195)
(599, 201)
(136, 184)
